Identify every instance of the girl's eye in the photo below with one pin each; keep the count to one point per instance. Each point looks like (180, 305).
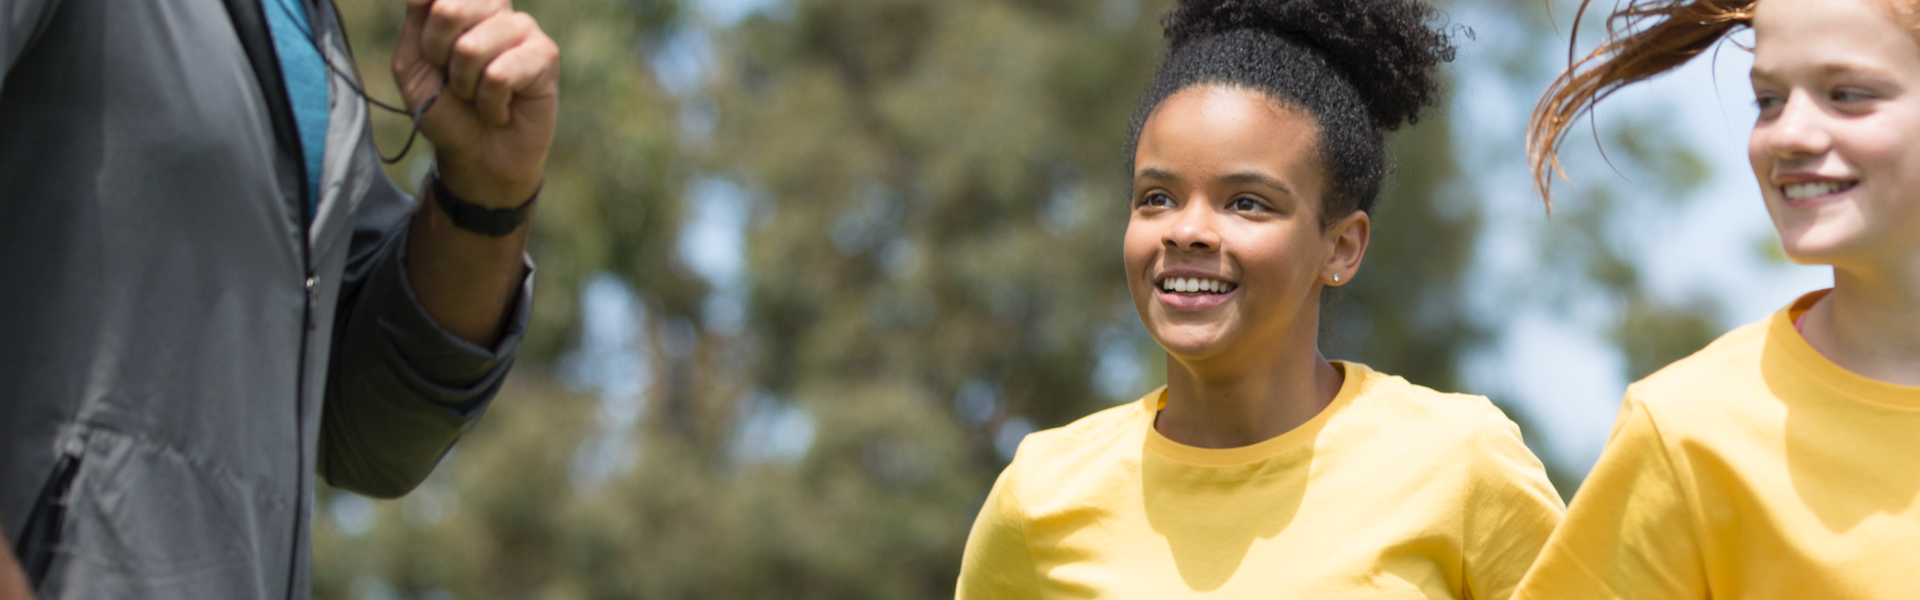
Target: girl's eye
(1245, 204)
(1849, 95)
(1156, 199)
(1768, 101)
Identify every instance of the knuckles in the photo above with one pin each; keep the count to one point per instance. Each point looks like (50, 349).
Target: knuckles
(502, 48)
(466, 48)
(460, 15)
(497, 75)
(520, 28)
(521, 22)
(448, 12)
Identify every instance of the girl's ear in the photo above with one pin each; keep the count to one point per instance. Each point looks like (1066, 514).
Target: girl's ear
(1346, 245)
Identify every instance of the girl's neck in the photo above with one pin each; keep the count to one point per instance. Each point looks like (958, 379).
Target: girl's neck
(1249, 406)
(1870, 323)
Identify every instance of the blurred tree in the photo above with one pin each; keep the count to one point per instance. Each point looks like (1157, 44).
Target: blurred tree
(929, 206)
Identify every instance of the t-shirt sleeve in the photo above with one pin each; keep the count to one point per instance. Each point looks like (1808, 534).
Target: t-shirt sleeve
(998, 564)
(1630, 532)
(1511, 509)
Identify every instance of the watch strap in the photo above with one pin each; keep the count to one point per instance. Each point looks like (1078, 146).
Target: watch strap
(491, 222)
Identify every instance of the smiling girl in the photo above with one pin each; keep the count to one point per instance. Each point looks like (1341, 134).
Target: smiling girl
(1782, 461)
(1262, 469)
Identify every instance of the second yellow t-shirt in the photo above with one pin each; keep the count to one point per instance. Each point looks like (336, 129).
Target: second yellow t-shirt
(1392, 491)
(1755, 468)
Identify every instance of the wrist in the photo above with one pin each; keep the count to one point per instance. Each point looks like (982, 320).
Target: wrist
(488, 188)
(473, 217)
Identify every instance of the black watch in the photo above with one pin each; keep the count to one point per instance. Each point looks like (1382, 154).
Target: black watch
(491, 222)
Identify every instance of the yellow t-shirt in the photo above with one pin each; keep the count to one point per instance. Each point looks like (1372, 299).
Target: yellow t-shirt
(1393, 491)
(1755, 468)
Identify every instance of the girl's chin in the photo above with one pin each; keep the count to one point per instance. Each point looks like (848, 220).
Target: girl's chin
(1820, 244)
(1184, 342)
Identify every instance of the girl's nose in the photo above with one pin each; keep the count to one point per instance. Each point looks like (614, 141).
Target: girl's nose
(1194, 230)
(1799, 131)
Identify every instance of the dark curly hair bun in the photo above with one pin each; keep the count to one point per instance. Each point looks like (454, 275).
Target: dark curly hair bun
(1383, 48)
(1359, 68)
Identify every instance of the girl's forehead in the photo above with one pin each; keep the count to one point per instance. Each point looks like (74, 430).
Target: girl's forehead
(1833, 34)
(1904, 13)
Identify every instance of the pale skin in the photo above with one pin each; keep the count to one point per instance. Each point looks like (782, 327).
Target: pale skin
(1228, 187)
(1838, 86)
(491, 130)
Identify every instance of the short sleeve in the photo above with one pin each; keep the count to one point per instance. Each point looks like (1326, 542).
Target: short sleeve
(998, 564)
(1630, 533)
(1511, 509)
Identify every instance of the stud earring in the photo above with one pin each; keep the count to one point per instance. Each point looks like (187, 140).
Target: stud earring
(1336, 278)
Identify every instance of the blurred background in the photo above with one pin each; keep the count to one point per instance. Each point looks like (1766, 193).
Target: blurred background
(810, 270)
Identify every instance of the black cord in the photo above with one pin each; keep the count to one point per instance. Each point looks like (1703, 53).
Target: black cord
(351, 78)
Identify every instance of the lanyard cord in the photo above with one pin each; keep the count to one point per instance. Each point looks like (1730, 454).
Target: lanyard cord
(352, 78)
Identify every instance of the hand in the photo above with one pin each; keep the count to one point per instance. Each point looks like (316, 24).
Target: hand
(493, 123)
(13, 583)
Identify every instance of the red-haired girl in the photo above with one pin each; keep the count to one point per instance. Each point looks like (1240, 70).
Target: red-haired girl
(1783, 460)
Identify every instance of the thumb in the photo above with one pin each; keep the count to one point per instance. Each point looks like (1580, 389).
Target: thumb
(417, 77)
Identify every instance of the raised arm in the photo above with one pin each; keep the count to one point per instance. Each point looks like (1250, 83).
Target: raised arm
(431, 310)
(497, 76)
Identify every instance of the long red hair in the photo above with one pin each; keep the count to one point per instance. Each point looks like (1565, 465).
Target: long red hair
(1645, 38)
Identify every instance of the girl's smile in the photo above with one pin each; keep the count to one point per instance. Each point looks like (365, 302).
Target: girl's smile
(1194, 291)
(1802, 191)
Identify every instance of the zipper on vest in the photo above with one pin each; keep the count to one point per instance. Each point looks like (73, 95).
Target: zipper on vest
(47, 521)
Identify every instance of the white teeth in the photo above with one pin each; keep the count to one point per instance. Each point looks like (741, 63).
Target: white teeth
(1803, 191)
(1188, 285)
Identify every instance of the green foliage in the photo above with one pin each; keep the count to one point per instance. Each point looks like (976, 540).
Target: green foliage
(1406, 312)
(943, 191)
(1599, 236)
(1653, 334)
